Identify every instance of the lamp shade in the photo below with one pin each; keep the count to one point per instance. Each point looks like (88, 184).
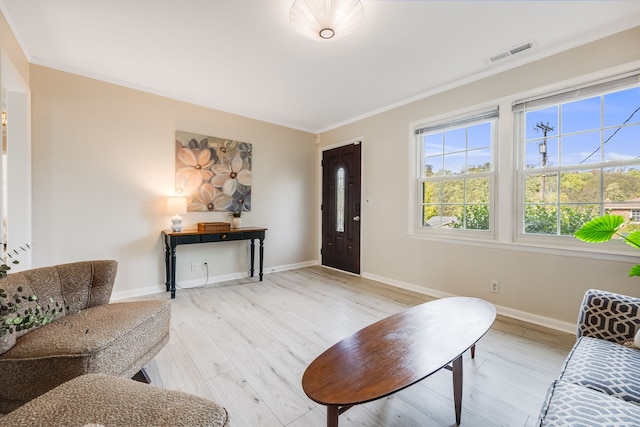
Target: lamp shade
(325, 19)
(177, 205)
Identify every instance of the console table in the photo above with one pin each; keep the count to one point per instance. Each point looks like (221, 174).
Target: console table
(186, 237)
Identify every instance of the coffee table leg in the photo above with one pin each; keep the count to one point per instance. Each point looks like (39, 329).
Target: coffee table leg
(332, 415)
(457, 387)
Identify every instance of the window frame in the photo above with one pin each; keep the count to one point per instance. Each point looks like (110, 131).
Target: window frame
(457, 120)
(564, 94)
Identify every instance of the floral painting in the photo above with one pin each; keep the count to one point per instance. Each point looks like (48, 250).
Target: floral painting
(213, 173)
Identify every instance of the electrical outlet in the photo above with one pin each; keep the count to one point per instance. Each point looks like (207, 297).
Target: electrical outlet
(495, 287)
(194, 266)
(205, 265)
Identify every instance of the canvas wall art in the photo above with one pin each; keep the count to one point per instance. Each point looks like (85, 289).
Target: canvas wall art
(213, 173)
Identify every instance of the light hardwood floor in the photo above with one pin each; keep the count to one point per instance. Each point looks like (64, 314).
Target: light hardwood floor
(246, 344)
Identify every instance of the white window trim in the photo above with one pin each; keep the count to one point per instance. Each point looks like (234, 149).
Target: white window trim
(416, 157)
(506, 206)
(589, 88)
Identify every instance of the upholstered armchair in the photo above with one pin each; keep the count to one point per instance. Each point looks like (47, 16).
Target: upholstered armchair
(89, 335)
(599, 384)
(105, 400)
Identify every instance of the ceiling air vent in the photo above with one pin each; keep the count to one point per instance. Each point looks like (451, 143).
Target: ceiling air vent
(510, 52)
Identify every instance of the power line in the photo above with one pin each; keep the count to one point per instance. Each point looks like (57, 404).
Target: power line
(612, 135)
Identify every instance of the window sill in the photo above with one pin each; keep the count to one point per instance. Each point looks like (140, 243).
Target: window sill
(563, 246)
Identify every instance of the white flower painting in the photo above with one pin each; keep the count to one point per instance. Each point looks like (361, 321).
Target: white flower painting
(213, 173)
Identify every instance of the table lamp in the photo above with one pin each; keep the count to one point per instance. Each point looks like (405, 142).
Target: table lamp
(177, 206)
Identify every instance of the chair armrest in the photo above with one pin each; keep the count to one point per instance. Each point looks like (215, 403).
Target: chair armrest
(609, 316)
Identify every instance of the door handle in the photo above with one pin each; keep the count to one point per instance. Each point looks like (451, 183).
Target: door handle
(356, 218)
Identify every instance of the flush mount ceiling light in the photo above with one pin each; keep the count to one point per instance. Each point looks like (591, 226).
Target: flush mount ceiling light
(326, 19)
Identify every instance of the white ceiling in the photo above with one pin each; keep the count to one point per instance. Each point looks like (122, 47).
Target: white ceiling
(243, 56)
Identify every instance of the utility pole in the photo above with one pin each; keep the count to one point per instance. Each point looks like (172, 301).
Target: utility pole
(542, 149)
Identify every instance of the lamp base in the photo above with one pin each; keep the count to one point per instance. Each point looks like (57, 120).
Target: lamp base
(176, 224)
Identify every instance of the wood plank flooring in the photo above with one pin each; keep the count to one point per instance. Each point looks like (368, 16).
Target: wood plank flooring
(246, 344)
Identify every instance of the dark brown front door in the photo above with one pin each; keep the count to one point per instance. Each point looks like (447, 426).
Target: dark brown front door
(341, 208)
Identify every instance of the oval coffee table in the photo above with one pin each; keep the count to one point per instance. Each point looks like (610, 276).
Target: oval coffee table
(396, 352)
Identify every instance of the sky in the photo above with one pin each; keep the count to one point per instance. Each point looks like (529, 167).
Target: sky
(587, 131)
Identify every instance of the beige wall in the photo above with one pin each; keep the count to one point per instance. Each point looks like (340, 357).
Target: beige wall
(536, 286)
(103, 164)
(12, 50)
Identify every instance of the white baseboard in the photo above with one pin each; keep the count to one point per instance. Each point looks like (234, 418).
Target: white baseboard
(287, 267)
(151, 290)
(504, 311)
(135, 293)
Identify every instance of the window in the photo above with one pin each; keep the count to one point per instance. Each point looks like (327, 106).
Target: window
(579, 156)
(456, 172)
(634, 215)
(340, 193)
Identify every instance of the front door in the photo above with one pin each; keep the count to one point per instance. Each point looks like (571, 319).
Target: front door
(341, 208)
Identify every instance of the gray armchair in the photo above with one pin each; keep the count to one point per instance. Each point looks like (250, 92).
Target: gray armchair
(114, 339)
(105, 400)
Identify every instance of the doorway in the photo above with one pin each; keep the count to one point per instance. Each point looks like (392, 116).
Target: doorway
(341, 192)
(16, 188)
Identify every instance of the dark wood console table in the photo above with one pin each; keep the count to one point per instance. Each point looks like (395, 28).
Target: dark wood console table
(186, 237)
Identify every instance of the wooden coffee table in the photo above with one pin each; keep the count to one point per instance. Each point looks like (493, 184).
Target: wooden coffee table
(396, 352)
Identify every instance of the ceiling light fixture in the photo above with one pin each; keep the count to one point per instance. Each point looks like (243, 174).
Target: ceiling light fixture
(326, 19)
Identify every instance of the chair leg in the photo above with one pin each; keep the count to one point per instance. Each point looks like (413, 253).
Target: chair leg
(141, 376)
